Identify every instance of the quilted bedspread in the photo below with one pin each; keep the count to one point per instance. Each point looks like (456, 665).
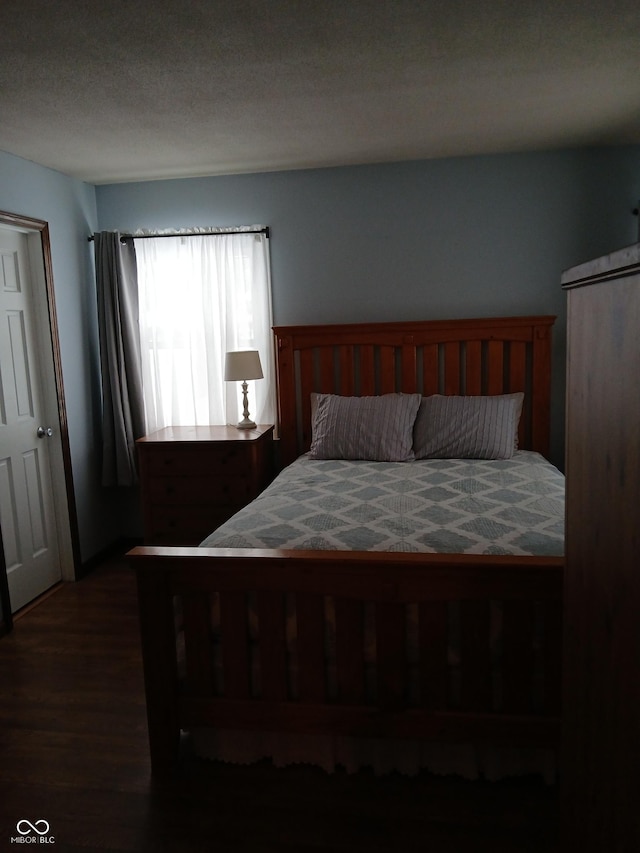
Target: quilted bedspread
(461, 506)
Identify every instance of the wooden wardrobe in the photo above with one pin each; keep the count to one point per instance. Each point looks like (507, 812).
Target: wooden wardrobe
(600, 769)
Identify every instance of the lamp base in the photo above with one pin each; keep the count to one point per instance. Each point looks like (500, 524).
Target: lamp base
(245, 423)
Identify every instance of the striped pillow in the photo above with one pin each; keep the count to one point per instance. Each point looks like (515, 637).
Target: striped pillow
(378, 429)
(467, 427)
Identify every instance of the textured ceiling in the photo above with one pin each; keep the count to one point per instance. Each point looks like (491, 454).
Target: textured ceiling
(112, 91)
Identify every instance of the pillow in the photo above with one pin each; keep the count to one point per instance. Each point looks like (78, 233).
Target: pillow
(378, 429)
(467, 427)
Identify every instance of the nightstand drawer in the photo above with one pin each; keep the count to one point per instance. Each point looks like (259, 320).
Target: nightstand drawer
(211, 490)
(191, 462)
(176, 525)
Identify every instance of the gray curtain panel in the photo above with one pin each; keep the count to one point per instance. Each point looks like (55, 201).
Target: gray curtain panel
(119, 328)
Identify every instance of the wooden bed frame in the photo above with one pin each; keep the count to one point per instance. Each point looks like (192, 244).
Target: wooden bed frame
(485, 356)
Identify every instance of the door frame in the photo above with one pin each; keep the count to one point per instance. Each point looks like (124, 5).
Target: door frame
(44, 306)
(6, 617)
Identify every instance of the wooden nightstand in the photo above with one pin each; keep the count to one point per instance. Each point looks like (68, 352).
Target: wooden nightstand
(195, 478)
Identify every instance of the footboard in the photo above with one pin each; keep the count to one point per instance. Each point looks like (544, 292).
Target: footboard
(440, 647)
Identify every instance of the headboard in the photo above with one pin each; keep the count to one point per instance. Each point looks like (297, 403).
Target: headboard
(480, 356)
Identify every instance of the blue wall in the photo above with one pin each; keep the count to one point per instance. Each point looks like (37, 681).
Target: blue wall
(478, 236)
(69, 206)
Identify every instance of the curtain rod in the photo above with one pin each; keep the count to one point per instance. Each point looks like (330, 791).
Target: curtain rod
(124, 237)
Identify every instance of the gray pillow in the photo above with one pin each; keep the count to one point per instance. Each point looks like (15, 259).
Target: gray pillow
(449, 427)
(379, 429)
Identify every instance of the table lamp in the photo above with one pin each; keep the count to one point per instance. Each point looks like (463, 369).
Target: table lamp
(238, 367)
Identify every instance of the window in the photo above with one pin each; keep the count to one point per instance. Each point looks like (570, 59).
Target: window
(200, 296)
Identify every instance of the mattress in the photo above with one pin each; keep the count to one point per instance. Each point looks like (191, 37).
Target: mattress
(462, 506)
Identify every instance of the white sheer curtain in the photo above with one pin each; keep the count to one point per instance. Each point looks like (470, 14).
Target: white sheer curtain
(200, 296)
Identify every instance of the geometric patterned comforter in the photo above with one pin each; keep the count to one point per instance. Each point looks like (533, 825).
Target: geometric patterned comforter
(458, 506)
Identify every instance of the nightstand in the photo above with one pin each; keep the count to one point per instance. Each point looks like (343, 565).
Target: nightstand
(193, 478)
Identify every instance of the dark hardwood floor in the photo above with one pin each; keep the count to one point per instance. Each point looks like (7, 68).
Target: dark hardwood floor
(73, 753)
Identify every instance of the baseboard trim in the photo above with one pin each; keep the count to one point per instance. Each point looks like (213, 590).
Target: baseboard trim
(112, 551)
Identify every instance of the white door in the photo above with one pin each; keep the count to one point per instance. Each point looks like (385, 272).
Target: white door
(27, 513)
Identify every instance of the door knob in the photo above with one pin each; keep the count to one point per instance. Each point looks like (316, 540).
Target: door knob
(42, 432)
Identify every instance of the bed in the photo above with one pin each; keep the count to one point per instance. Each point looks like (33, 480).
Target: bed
(373, 636)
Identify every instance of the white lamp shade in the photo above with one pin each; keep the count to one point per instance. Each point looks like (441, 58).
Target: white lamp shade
(242, 364)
